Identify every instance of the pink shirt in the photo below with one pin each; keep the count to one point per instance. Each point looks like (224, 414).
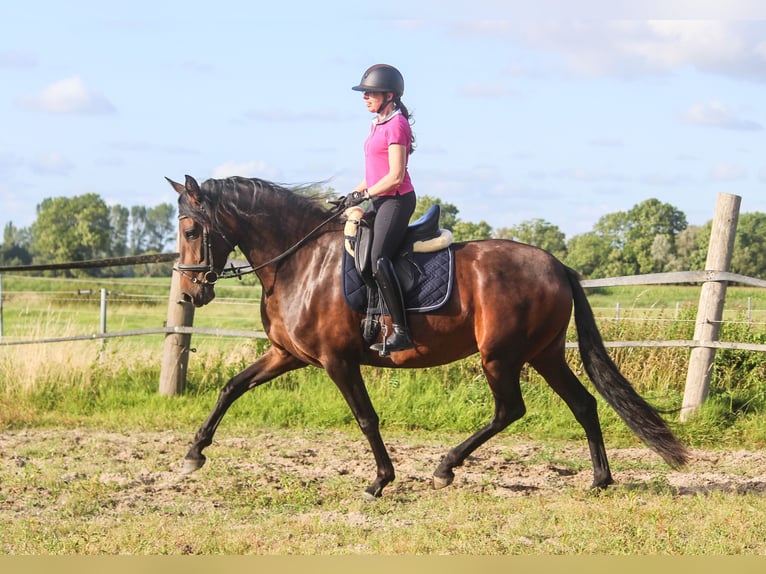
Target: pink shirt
(395, 130)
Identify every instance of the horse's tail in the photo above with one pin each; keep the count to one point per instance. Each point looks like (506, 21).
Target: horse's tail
(640, 417)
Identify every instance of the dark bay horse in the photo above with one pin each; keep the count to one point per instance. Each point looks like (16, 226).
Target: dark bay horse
(511, 304)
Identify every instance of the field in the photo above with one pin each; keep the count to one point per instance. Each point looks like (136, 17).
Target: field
(298, 491)
(90, 452)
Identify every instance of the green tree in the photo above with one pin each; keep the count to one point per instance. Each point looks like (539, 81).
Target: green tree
(539, 233)
(448, 211)
(118, 227)
(467, 231)
(160, 228)
(646, 222)
(137, 232)
(687, 250)
(15, 247)
(71, 229)
(639, 241)
(588, 254)
(749, 255)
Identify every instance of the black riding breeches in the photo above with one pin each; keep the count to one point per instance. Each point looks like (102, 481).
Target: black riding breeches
(392, 216)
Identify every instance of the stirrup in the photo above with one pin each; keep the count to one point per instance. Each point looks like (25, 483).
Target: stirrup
(388, 346)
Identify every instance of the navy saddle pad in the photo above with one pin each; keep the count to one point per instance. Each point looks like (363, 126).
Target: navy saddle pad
(430, 291)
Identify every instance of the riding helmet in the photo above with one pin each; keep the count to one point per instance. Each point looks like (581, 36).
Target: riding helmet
(381, 78)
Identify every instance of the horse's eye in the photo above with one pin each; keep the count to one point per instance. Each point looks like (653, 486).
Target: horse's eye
(191, 234)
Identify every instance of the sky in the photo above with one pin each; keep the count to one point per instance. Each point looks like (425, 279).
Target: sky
(560, 111)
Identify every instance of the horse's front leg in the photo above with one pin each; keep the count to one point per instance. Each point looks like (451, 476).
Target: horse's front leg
(348, 378)
(270, 365)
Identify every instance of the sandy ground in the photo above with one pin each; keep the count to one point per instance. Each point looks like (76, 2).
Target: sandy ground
(507, 466)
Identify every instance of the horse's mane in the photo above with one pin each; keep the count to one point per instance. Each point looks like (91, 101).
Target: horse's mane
(243, 197)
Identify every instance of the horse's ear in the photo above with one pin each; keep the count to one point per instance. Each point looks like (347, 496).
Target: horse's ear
(177, 186)
(192, 188)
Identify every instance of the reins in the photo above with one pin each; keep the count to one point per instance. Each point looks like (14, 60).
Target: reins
(211, 275)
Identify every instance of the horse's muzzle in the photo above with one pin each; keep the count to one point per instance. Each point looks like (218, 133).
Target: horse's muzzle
(202, 296)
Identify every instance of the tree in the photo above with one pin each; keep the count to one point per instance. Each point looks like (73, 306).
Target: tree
(588, 253)
(160, 227)
(539, 233)
(467, 231)
(137, 229)
(15, 247)
(448, 211)
(71, 229)
(118, 224)
(639, 241)
(461, 230)
(687, 248)
(749, 256)
(647, 221)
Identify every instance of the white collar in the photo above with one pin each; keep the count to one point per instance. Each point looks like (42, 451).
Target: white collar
(377, 121)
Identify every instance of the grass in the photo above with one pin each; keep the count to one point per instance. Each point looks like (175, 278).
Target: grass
(97, 501)
(112, 388)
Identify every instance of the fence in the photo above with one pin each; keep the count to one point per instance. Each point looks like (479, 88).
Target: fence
(179, 329)
(109, 299)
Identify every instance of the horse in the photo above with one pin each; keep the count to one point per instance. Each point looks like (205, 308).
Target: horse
(511, 303)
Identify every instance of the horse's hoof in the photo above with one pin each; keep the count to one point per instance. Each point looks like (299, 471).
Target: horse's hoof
(440, 482)
(192, 464)
(372, 492)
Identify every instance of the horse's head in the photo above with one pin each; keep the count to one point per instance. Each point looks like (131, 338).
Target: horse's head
(203, 249)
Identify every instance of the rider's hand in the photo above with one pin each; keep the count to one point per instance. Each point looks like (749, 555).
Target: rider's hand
(355, 198)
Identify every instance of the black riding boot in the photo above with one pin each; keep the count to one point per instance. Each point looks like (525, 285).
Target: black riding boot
(388, 286)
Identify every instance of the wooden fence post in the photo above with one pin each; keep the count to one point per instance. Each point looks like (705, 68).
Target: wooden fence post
(175, 355)
(712, 297)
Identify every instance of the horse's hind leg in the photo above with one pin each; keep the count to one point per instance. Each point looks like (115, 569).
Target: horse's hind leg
(270, 365)
(503, 379)
(584, 407)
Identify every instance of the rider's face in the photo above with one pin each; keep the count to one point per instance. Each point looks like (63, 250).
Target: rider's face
(373, 101)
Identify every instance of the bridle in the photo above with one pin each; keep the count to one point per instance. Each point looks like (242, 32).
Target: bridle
(210, 275)
(207, 267)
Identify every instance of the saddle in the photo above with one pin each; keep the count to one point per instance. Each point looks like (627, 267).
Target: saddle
(423, 236)
(424, 267)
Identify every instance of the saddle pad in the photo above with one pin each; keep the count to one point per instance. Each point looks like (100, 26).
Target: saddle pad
(431, 290)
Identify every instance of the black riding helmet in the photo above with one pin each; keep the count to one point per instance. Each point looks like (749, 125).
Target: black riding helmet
(381, 78)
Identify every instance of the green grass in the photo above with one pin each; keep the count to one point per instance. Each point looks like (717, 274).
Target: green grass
(121, 494)
(116, 383)
(66, 502)
(81, 385)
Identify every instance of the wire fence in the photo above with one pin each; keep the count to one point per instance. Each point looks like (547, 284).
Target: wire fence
(110, 298)
(149, 309)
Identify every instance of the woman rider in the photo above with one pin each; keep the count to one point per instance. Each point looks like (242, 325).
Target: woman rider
(387, 184)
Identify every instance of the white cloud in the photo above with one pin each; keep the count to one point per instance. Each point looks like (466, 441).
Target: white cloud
(628, 48)
(69, 96)
(253, 168)
(52, 163)
(716, 114)
(591, 9)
